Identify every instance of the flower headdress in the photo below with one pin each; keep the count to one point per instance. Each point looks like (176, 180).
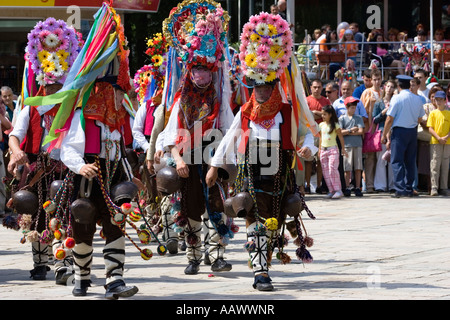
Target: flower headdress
(141, 81)
(157, 51)
(266, 47)
(197, 29)
(52, 48)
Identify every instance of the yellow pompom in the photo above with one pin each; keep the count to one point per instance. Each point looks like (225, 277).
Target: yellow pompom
(271, 224)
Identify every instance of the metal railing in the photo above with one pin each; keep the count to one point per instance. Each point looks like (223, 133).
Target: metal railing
(311, 64)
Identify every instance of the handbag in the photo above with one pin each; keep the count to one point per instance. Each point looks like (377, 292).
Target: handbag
(372, 140)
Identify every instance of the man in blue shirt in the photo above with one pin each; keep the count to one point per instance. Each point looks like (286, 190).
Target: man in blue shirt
(404, 115)
(367, 79)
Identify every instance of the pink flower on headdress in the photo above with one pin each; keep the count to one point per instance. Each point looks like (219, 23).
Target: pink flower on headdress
(248, 28)
(263, 17)
(196, 43)
(210, 17)
(254, 20)
(43, 34)
(201, 28)
(219, 11)
(263, 51)
(284, 62)
(266, 42)
(282, 26)
(59, 33)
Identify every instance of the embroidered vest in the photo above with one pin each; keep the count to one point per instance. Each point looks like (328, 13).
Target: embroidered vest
(285, 130)
(35, 133)
(149, 118)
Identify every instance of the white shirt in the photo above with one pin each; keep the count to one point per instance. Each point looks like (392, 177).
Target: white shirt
(227, 149)
(73, 144)
(139, 127)
(223, 122)
(21, 128)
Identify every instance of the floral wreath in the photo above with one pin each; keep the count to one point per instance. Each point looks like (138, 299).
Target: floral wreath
(157, 51)
(197, 29)
(266, 47)
(52, 48)
(141, 81)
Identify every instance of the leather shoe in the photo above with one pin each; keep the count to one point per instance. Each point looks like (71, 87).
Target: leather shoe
(117, 289)
(220, 265)
(80, 290)
(263, 283)
(192, 268)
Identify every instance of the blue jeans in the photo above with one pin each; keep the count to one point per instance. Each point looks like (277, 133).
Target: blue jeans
(403, 158)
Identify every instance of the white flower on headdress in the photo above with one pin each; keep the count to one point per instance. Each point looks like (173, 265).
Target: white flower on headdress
(277, 41)
(51, 40)
(40, 79)
(58, 72)
(53, 57)
(262, 29)
(260, 78)
(274, 64)
(252, 47)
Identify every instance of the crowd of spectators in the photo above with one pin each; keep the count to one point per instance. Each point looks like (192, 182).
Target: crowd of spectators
(364, 110)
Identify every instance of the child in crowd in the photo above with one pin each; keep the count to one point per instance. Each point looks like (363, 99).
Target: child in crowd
(349, 45)
(329, 151)
(352, 126)
(438, 124)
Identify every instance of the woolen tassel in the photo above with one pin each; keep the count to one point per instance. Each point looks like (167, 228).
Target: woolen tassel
(309, 242)
(192, 239)
(283, 257)
(304, 255)
(250, 246)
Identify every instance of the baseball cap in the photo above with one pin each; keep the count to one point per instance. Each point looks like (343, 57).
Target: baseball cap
(350, 100)
(440, 94)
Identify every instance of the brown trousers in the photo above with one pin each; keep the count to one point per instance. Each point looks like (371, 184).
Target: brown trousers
(193, 195)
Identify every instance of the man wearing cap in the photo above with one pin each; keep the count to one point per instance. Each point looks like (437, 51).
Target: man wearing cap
(404, 115)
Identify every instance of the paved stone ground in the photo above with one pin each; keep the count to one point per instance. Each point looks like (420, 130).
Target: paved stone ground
(370, 248)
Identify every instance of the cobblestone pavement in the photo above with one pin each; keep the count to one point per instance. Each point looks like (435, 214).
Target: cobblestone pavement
(368, 248)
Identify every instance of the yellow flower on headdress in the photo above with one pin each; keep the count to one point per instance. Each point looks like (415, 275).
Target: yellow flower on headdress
(64, 65)
(272, 75)
(272, 30)
(275, 52)
(43, 55)
(251, 60)
(157, 60)
(255, 37)
(62, 55)
(48, 66)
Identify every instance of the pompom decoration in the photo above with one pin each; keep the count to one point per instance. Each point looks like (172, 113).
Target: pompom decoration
(54, 224)
(46, 237)
(126, 208)
(197, 29)
(192, 239)
(58, 234)
(61, 253)
(52, 48)
(303, 254)
(162, 250)
(146, 254)
(118, 219)
(283, 257)
(9, 222)
(250, 246)
(49, 206)
(271, 224)
(135, 215)
(266, 47)
(69, 243)
(145, 236)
